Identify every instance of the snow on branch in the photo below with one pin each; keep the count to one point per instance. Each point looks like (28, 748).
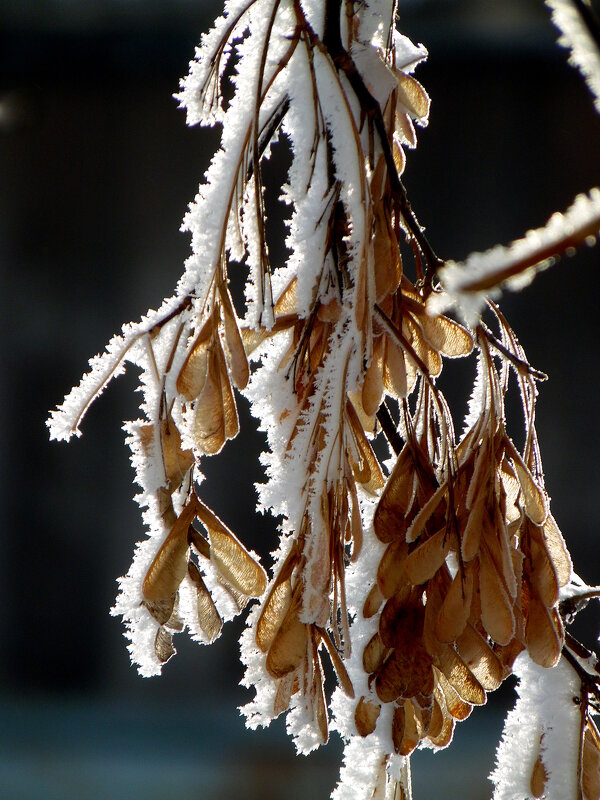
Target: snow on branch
(580, 33)
(467, 285)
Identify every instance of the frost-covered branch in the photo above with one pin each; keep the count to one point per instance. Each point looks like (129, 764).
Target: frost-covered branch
(580, 33)
(418, 582)
(467, 285)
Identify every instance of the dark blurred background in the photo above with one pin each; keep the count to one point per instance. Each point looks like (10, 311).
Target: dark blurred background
(97, 167)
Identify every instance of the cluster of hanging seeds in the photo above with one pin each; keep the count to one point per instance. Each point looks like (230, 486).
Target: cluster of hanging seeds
(457, 565)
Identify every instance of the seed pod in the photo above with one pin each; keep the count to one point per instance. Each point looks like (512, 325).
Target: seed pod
(425, 560)
(460, 677)
(289, 646)
(479, 657)
(194, 372)
(496, 609)
(373, 654)
(169, 566)
(456, 607)
(238, 361)
(366, 716)
(273, 613)
(209, 618)
(405, 733)
(163, 645)
(539, 776)
(230, 557)
(544, 641)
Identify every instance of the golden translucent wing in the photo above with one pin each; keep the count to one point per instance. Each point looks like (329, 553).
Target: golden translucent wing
(557, 549)
(446, 336)
(544, 641)
(208, 423)
(289, 647)
(372, 390)
(238, 362)
(411, 95)
(209, 618)
(425, 560)
(230, 557)
(496, 608)
(194, 372)
(480, 658)
(460, 677)
(405, 732)
(273, 613)
(169, 565)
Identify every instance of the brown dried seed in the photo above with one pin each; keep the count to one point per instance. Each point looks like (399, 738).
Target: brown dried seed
(337, 663)
(319, 701)
(273, 613)
(437, 720)
(372, 390)
(543, 575)
(373, 602)
(557, 549)
(456, 607)
(230, 416)
(209, 618)
(411, 95)
(366, 716)
(426, 512)
(238, 361)
(444, 737)
(425, 560)
(544, 642)
(169, 565)
(367, 472)
(373, 654)
(283, 694)
(404, 130)
(405, 733)
(163, 645)
(537, 783)
(396, 500)
(199, 542)
(535, 501)
(401, 619)
(496, 609)
(591, 762)
(230, 557)
(356, 527)
(208, 423)
(457, 708)
(407, 672)
(480, 658)
(194, 372)
(391, 577)
(175, 460)
(471, 536)
(395, 377)
(289, 646)
(446, 336)
(436, 589)
(429, 357)
(460, 677)
(387, 263)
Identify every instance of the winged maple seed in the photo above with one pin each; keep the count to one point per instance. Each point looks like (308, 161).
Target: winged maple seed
(426, 578)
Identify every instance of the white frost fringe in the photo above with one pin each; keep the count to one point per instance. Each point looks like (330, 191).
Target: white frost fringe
(462, 281)
(576, 38)
(545, 719)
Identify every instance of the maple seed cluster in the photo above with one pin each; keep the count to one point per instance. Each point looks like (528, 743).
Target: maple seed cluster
(421, 581)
